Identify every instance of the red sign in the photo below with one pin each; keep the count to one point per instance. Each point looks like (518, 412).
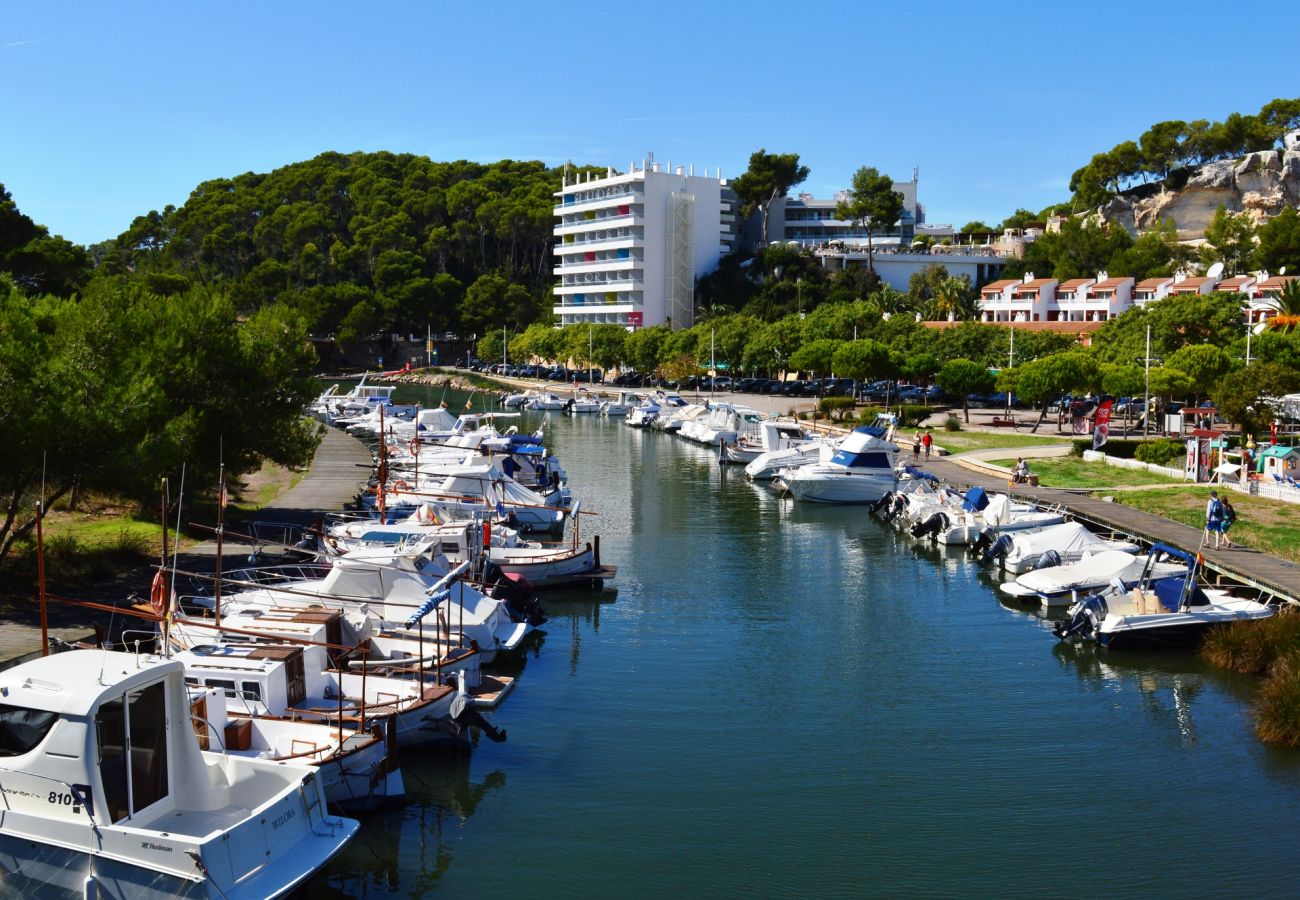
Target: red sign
(635, 319)
(1101, 424)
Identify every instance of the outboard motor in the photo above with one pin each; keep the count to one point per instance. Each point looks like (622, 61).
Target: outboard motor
(998, 550)
(982, 542)
(1048, 560)
(880, 504)
(1086, 619)
(517, 593)
(931, 526)
(897, 506)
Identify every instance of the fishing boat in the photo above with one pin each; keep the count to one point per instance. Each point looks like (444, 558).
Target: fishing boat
(107, 792)
(1158, 612)
(860, 471)
(296, 683)
(358, 768)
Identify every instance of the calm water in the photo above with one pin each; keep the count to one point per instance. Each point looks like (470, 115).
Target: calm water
(794, 699)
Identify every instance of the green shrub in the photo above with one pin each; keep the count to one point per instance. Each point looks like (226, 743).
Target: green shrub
(836, 407)
(1161, 452)
(952, 423)
(867, 414)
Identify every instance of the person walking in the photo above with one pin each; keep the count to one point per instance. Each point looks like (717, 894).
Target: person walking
(927, 442)
(1225, 523)
(1213, 518)
(916, 447)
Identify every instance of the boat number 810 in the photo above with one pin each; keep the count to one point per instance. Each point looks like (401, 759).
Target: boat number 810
(61, 799)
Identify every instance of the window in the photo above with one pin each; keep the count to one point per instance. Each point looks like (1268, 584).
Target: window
(21, 729)
(132, 735)
(227, 687)
(252, 690)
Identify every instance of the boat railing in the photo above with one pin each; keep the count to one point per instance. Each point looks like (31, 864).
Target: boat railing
(80, 794)
(270, 575)
(286, 534)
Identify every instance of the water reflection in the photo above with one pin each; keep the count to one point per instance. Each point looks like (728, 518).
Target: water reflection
(408, 850)
(1168, 684)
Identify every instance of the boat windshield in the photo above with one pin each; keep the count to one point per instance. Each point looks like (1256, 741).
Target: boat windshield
(21, 729)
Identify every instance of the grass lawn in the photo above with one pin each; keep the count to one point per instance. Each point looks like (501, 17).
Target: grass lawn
(960, 441)
(1268, 525)
(1071, 472)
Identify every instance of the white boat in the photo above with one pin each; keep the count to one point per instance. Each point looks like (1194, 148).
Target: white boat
(722, 425)
(546, 401)
(673, 421)
(480, 485)
(1062, 585)
(107, 792)
(621, 405)
(356, 767)
(768, 436)
(959, 519)
(542, 565)
(583, 402)
(387, 584)
(767, 466)
(1159, 612)
(296, 683)
(1068, 542)
(860, 471)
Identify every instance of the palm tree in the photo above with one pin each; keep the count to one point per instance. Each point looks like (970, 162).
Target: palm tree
(888, 301)
(1288, 306)
(954, 296)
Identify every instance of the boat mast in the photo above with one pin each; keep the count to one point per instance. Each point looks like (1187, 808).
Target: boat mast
(221, 528)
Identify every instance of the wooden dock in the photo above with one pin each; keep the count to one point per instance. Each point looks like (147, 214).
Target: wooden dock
(1270, 575)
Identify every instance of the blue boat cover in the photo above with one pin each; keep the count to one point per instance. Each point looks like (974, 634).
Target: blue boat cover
(872, 459)
(975, 500)
(874, 430)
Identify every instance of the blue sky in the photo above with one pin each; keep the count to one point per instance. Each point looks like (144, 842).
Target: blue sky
(110, 110)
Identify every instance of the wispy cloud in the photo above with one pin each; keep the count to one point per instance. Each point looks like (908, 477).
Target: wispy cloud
(21, 43)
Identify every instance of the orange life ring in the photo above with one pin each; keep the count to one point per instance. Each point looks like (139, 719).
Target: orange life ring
(401, 486)
(158, 593)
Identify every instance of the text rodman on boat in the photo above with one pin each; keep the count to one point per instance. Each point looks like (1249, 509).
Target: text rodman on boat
(1173, 611)
(106, 792)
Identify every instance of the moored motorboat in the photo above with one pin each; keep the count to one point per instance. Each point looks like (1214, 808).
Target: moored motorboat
(1062, 585)
(107, 791)
(1158, 612)
(860, 471)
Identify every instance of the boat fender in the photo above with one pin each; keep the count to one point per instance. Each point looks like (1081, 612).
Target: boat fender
(1048, 560)
(999, 549)
(401, 486)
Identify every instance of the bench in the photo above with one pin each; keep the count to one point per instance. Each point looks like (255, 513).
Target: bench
(999, 422)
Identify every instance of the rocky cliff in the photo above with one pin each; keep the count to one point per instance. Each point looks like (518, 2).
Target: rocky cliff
(1260, 184)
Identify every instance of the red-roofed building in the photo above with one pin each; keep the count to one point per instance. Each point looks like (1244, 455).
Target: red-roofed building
(1200, 285)
(1264, 304)
(1149, 290)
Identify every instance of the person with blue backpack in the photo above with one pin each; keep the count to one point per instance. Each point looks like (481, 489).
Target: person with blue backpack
(1213, 519)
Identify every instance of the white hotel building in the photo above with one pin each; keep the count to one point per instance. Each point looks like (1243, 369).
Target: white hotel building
(629, 247)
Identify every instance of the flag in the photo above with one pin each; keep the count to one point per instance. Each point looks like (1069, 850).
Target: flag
(224, 499)
(501, 510)
(1101, 425)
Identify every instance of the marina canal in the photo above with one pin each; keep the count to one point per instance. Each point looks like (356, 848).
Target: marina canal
(778, 698)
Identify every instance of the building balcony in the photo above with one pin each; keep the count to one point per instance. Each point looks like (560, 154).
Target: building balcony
(629, 198)
(631, 220)
(598, 287)
(571, 308)
(574, 266)
(598, 245)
